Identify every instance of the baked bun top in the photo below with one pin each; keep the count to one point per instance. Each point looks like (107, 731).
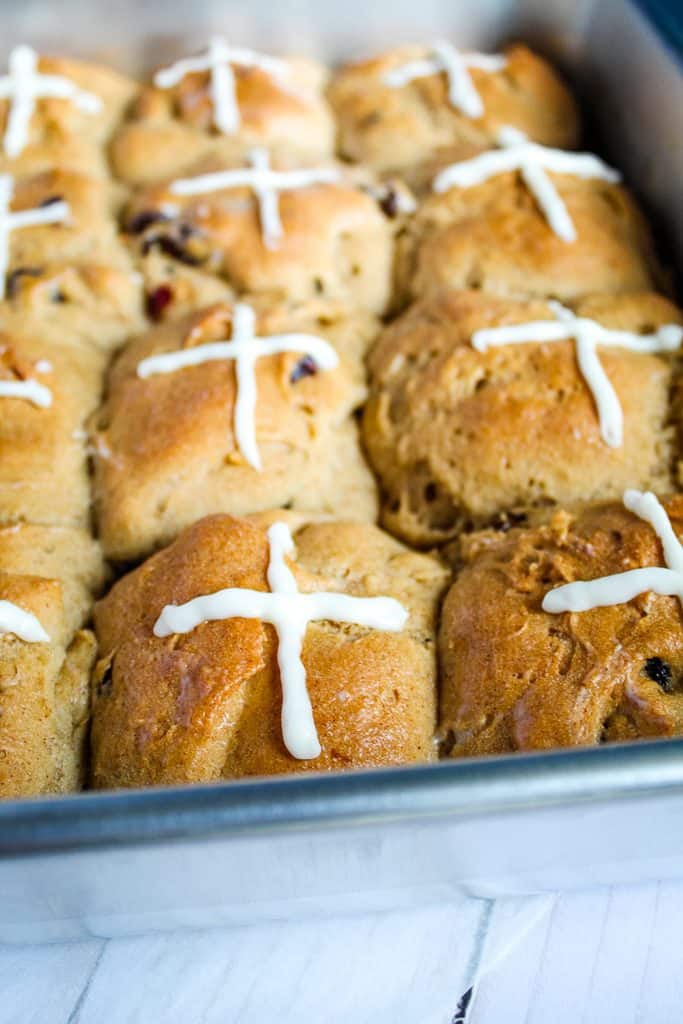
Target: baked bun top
(404, 129)
(336, 241)
(174, 446)
(82, 304)
(515, 677)
(494, 237)
(48, 388)
(61, 132)
(86, 234)
(206, 704)
(168, 130)
(461, 437)
(51, 574)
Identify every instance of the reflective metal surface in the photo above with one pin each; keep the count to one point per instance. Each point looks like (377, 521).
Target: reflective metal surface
(474, 788)
(112, 864)
(115, 863)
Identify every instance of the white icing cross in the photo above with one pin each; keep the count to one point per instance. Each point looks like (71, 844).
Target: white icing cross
(30, 390)
(246, 349)
(24, 85)
(444, 57)
(218, 60)
(25, 625)
(532, 161)
(266, 185)
(289, 612)
(587, 335)
(54, 213)
(624, 586)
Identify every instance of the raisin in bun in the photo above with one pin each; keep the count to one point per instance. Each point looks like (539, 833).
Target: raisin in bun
(516, 677)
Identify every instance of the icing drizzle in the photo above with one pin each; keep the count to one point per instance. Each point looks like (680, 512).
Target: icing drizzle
(621, 587)
(266, 185)
(24, 85)
(289, 612)
(246, 349)
(55, 213)
(25, 625)
(444, 57)
(218, 61)
(587, 335)
(30, 390)
(532, 161)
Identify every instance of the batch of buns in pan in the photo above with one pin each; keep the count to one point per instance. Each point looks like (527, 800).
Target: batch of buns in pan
(331, 405)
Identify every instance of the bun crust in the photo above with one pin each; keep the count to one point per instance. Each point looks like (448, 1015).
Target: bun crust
(403, 130)
(461, 438)
(337, 243)
(169, 130)
(493, 237)
(165, 447)
(517, 678)
(45, 687)
(206, 705)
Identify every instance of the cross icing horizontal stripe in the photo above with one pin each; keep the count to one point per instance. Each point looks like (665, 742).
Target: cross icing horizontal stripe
(532, 161)
(606, 591)
(24, 625)
(24, 85)
(444, 57)
(289, 612)
(218, 61)
(30, 390)
(245, 348)
(266, 185)
(587, 335)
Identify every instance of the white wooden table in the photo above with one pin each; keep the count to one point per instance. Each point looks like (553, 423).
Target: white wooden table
(598, 957)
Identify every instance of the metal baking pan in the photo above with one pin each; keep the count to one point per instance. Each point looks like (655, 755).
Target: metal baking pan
(118, 863)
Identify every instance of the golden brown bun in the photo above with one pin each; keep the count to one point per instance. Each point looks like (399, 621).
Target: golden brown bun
(74, 280)
(493, 237)
(400, 129)
(517, 678)
(206, 705)
(61, 135)
(87, 236)
(43, 461)
(165, 449)
(88, 303)
(44, 687)
(337, 242)
(169, 130)
(461, 438)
